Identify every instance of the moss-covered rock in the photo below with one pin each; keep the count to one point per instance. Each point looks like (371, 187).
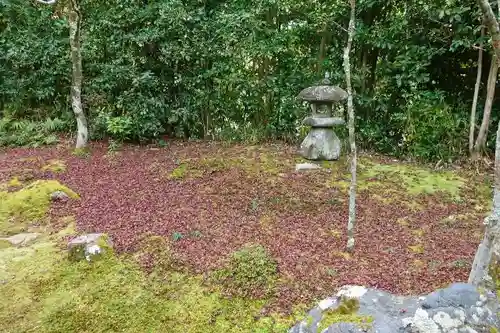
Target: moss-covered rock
(29, 204)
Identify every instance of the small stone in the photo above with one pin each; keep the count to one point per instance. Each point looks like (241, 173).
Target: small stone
(21, 239)
(306, 166)
(86, 246)
(327, 303)
(59, 196)
(352, 291)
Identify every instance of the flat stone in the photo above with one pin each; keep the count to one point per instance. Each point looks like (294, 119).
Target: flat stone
(306, 166)
(22, 238)
(323, 121)
(321, 144)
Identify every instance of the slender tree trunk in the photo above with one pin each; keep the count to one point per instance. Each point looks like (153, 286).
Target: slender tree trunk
(352, 142)
(482, 259)
(322, 48)
(490, 246)
(74, 20)
(490, 95)
(492, 24)
(476, 93)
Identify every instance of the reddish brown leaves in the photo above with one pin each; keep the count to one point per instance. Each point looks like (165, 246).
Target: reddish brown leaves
(296, 217)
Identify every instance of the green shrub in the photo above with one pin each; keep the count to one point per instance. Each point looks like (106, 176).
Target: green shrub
(249, 272)
(21, 132)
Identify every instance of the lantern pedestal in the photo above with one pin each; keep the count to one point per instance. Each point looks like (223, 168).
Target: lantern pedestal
(321, 144)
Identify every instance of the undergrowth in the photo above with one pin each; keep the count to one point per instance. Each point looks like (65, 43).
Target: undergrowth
(18, 132)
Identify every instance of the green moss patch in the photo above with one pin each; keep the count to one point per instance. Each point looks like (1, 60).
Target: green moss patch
(264, 163)
(47, 293)
(20, 208)
(346, 312)
(391, 179)
(55, 166)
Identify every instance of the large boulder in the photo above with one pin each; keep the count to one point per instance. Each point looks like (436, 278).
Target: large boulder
(459, 308)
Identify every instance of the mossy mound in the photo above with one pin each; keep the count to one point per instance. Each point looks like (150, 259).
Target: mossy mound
(55, 166)
(44, 292)
(29, 204)
(249, 272)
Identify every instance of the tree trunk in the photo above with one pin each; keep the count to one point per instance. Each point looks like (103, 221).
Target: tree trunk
(482, 259)
(492, 25)
(322, 48)
(490, 95)
(352, 142)
(74, 20)
(476, 93)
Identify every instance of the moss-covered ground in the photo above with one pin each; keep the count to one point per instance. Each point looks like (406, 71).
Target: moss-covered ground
(181, 218)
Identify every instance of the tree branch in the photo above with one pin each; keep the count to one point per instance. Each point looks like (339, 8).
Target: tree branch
(47, 2)
(491, 22)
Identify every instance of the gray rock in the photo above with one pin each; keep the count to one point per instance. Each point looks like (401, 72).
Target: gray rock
(343, 328)
(459, 308)
(59, 196)
(22, 238)
(458, 294)
(323, 121)
(87, 246)
(321, 144)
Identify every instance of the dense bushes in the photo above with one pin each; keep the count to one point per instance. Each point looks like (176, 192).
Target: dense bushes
(232, 70)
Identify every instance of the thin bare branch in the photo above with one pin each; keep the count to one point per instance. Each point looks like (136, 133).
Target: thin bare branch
(47, 2)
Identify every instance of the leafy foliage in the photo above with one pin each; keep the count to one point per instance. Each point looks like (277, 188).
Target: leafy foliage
(232, 70)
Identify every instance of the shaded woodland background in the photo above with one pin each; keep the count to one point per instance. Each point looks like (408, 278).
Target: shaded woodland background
(231, 70)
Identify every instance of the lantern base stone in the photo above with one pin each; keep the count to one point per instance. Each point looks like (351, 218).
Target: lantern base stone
(321, 144)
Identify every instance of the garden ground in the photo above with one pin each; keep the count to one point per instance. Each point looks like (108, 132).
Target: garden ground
(417, 230)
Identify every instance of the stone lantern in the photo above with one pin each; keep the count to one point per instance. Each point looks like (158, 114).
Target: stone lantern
(322, 144)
